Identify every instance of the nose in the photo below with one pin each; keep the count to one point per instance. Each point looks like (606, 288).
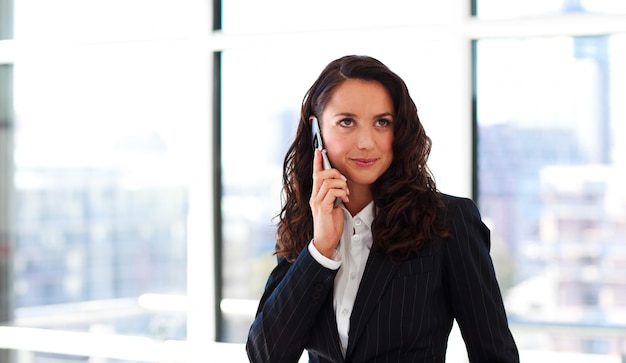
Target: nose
(365, 138)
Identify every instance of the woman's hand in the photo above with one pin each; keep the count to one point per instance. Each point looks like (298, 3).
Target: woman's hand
(327, 220)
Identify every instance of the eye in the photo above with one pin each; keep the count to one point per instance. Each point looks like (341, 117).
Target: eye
(346, 122)
(383, 122)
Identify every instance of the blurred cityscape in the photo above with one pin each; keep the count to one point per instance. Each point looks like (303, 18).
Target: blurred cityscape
(94, 246)
(558, 230)
(550, 186)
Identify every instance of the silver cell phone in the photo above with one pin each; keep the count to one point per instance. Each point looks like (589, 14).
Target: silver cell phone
(319, 145)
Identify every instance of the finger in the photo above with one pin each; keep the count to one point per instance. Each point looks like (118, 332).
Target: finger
(317, 161)
(317, 168)
(332, 197)
(334, 188)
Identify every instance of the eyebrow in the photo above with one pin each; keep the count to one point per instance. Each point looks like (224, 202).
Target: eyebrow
(349, 114)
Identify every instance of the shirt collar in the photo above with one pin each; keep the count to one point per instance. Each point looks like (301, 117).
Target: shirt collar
(366, 214)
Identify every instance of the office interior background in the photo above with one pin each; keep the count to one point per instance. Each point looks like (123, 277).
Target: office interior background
(141, 146)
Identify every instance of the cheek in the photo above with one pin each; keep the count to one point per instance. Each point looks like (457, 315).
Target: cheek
(336, 145)
(387, 145)
(334, 150)
(336, 156)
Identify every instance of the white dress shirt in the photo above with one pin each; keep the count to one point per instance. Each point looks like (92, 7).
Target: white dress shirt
(350, 258)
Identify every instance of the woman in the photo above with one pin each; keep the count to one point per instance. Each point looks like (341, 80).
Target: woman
(381, 277)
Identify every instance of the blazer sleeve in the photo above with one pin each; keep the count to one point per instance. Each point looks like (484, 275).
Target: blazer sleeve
(292, 299)
(474, 294)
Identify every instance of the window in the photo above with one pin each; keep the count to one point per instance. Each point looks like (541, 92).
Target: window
(102, 215)
(110, 170)
(549, 162)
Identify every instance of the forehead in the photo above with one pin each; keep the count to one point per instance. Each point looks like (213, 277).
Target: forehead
(361, 94)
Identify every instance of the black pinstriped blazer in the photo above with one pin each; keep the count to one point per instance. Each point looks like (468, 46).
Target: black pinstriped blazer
(402, 312)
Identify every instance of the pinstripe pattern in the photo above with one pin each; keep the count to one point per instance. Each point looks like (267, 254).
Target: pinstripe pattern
(402, 313)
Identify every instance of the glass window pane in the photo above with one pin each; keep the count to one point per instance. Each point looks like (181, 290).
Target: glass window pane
(106, 151)
(110, 149)
(488, 9)
(551, 161)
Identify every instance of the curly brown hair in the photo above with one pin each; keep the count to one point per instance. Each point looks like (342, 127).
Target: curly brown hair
(405, 196)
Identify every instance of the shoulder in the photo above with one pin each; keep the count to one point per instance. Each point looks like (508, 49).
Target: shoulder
(453, 200)
(462, 219)
(454, 206)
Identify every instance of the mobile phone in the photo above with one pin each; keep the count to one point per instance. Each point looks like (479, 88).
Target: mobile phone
(319, 145)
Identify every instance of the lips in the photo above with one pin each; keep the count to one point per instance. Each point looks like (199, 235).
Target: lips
(364, 161)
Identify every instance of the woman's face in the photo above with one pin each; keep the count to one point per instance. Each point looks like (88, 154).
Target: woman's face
(357, 128)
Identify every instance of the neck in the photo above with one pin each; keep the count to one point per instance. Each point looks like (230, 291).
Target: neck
(360, 196)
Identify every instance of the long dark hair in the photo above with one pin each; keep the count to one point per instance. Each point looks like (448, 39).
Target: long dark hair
(405, 196)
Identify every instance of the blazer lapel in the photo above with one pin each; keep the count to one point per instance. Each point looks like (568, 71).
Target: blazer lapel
(379, 271)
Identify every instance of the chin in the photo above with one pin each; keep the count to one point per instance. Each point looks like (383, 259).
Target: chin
(363, 180)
